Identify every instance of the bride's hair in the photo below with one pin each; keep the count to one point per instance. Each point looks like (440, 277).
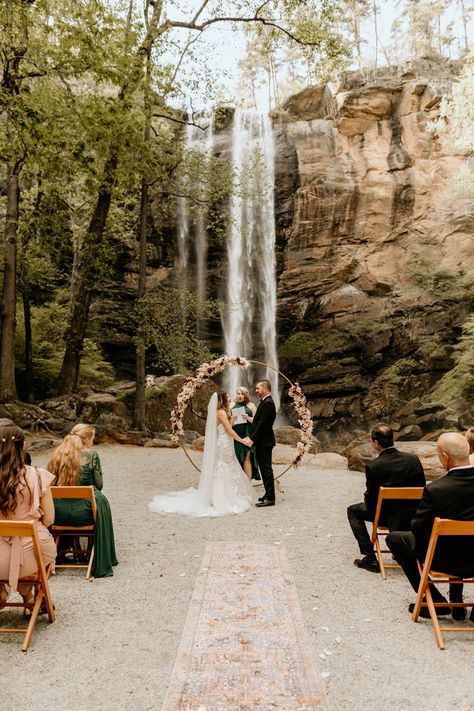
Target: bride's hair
(223, 402)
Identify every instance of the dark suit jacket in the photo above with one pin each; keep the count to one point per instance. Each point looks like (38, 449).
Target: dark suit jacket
(452, 496)
(393, 468)
(262, 427)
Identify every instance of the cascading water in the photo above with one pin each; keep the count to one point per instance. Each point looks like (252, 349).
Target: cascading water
(250, 320)
(192, 220)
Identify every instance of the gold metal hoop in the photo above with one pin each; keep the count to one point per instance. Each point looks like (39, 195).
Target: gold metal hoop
(275, 478)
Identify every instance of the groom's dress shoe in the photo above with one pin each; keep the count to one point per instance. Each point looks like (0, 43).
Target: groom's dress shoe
(262, 498)
(265, 502)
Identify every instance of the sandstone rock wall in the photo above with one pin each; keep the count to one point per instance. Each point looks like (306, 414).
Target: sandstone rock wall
(375, 275)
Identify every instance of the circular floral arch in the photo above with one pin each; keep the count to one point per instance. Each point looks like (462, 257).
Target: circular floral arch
(207, 370)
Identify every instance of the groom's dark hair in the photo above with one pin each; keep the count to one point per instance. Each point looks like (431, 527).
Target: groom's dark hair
(267, 384)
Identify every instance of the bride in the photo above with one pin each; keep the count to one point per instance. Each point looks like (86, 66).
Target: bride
(223, 487)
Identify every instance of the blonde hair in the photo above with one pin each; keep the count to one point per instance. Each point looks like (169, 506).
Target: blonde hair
(470, 439)
(65, 462)
(243, 391)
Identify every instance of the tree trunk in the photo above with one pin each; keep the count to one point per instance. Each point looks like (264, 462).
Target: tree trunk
(83, 281)
(8, 304)
(139, 414)
(140, 363)
(376, 33)
(464, 17)
(29, 394)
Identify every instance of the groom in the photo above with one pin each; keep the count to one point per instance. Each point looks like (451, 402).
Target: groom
(264, 440)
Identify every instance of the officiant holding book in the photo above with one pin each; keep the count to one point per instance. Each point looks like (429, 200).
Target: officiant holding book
(243, 412)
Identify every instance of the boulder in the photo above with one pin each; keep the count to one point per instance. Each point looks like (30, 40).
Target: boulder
(359, 455)
(410, 433)
(198, 444)
(105, 409)
(291, 435)
(38, 445)
(25, 415)
(158, 442)
(325, 460)
(161, 398)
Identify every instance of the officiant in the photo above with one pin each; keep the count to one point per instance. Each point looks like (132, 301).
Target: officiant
(243, 412)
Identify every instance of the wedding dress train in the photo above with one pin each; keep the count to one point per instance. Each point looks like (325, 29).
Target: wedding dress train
(223, 487)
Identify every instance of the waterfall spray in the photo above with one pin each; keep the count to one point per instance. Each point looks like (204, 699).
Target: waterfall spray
(251, 281)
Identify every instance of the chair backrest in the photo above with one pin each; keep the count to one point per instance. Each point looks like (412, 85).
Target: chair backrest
(446, 527)
(401, 492)
(24, 529)
(76, 492)
(394, 493)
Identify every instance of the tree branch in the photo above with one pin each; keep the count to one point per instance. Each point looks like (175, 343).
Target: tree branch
(268, 22)
(196, 16)
(181, 121)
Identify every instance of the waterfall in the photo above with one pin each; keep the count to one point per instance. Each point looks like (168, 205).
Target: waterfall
(192, 219)
(250, 319)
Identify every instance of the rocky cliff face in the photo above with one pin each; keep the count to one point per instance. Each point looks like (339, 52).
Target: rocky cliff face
(375, 257)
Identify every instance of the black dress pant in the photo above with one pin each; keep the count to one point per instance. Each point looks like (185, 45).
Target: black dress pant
(264, 460)
(358, 515)
(402, 546)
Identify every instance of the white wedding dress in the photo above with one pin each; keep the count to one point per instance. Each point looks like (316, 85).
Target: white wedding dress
(223, 489)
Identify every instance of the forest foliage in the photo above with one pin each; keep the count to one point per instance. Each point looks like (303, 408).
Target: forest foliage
(89, 124)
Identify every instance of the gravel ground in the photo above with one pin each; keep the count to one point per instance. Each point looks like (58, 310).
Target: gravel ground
(114, 642)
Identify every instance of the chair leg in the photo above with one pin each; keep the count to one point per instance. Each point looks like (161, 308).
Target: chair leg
(89, 567)
(378, 553)
(33, 618)
(434, 618)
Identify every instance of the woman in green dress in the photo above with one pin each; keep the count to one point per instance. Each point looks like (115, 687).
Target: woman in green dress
(75, 464)
(243, 453)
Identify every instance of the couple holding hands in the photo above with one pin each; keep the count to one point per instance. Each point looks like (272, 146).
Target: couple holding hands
(224, 487)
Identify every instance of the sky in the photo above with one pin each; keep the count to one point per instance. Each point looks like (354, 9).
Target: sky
(221, 47)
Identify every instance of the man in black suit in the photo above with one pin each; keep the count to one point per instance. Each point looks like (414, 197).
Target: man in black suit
(452, 497)
(390, 468)
(263, 438)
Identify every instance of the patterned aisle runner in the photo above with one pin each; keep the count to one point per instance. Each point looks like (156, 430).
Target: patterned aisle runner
(244, 647)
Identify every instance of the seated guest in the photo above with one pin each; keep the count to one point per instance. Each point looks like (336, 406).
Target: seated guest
(75, 464)
(6, 421)
(390, 468)
(470, 441)
(451, 497)
(24, 494)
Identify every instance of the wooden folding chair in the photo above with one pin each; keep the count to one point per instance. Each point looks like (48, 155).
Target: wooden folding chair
(27, 529)
(392, 493)
(441, 527)
(75, 492)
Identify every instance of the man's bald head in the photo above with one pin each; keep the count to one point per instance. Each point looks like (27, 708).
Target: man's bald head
(453, 450)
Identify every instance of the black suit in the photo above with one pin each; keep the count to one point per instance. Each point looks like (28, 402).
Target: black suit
(263, 437)
(390, 468)
(450, 497)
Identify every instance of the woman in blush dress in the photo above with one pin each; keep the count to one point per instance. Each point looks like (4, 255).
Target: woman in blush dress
(24, 494)
(223, 486)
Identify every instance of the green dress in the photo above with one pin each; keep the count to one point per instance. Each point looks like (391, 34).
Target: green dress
(78, 512)
(243, 430)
